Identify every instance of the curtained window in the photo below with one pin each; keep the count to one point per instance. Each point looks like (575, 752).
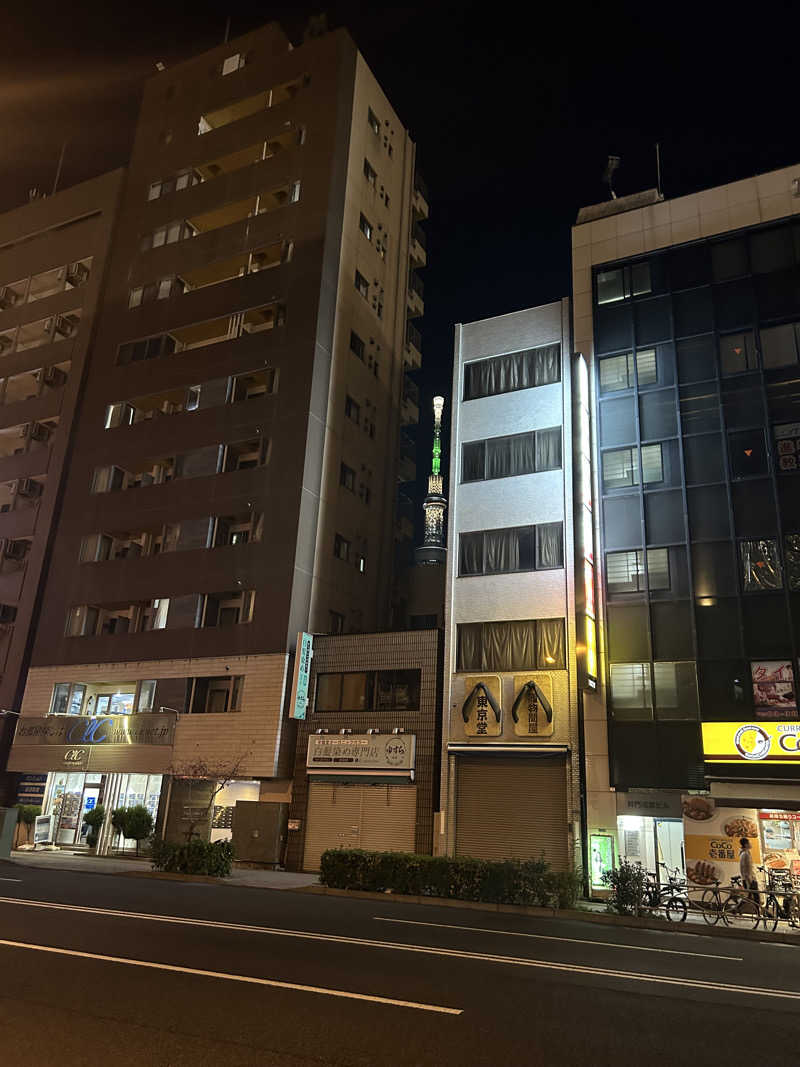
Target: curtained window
(504, 457)
(523, 644)
(513, 548)
(549, 546)
(548, 449)
(761, 568)
(498, 457)
(470, 553)
(473, 464)
(501, 551)
(517, 370)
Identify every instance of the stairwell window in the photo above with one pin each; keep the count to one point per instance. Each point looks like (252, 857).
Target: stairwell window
(347, 477)
(365, 226)
(357, 346)
(374, 122)
(341, 548)
(362, 285)
(622, 284)
(370, 173)
(352, 410)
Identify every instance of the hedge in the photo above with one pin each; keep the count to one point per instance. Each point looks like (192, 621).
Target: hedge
(462, 878)
(194, 857)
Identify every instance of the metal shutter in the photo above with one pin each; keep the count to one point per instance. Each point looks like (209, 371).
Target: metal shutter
(512, 808)
(381, 818)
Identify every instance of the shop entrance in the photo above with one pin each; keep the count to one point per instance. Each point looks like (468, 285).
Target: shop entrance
(343, 815)
(651, 842)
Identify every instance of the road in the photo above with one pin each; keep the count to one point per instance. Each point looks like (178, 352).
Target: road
(127, 970)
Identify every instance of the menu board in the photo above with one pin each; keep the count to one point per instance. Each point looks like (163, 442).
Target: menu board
(711, 840)
(773, 689)
(787, 446)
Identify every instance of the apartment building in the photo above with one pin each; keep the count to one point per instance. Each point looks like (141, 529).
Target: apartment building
(688, 312)
(53, 254)
(510, 760)
(234, 473)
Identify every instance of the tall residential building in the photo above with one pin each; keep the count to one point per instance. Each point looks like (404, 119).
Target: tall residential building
(689, 313)
(53, 254)
(510, 761)
(234, 473)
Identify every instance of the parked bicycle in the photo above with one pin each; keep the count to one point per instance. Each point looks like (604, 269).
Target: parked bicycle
(780, 884)
(749, 907)
(670, 895)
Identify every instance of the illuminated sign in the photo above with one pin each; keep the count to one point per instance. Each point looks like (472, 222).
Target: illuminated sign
(751, 742)
(585, 527)
(302, 675)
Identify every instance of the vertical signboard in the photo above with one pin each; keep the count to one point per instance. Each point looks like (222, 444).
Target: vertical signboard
(584, 528)
(302, 675)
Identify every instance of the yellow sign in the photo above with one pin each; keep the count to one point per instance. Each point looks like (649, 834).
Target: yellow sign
(532, 710)
(481, 710)
(751, 742)
(718, 848)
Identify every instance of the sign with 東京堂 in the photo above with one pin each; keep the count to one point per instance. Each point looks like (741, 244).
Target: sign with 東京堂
(482, 707)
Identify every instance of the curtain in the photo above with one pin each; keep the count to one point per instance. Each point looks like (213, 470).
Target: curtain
(473, 463)
(469, 646)
(550, 545)
(550, 653)
(548, 364)
(761, 568)
(498, 457)
(502, 550)
(471, 553)
(548, 449)
(521, 644)
(522, 449)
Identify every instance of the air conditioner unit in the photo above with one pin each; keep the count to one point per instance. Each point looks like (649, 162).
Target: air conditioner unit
(28, 487)
(54, 376)
(77, 274)
(14, 549)
(64, 326)
(40, 432)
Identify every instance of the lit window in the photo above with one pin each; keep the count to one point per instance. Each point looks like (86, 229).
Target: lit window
(362, 285)
(374, 121)
(370, 173)
(232, 64)
(617, 372)
(365, 226)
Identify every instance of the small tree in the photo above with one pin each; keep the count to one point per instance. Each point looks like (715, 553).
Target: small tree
(118, 821)
(94, 820)
(138, 824)
(26, 814)
(219, 774)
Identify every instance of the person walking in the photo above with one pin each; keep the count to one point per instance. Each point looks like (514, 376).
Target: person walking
(746, 869)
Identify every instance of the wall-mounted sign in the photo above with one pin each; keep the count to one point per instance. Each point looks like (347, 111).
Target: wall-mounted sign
(773, 690)
(81, 730)
(302, 675)
(532, 710)
(587, 626)
(31, 788)
(601, 848)
(751, 742)
(482, 707)
(655, 805)
(787, 446)
(390, 755)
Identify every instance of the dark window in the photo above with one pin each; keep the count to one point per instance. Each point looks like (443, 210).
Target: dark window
(473, 464)
(699, 408)
(397, 690)
(778, 294)
(617, 421)
(657, 415)
(771, 250)
(627, 632)
(747, 451)
(689, 266)
(352, 410)
(780, 345)
(734, 303)
(335, 622)
(791, 559)
(693, 311)
(622, 522)
(347, 477)
(505, 457)
(672, 630)
(370, 173)
(613, 328)
(737, 353)
(509, 373)
(357, 346)
(664, 517)
(717, 622)
(725, 688)
(653, 321)
(729, 259)
(696, 361)
(365, 226)
(767, 632)
(362, 284)
(508, 646)
(703, 459)
(675, 690)
(515, 548)
(373, 121)
(760, 565)
(341, 547)
(714, 569)
(742, 402)
(708, 512)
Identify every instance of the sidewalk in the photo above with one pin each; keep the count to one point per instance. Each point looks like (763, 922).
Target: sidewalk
(241, 876)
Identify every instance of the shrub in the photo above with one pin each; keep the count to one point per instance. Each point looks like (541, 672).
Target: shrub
(459, 878)
(194, 857)
(628, 884)
(26, 813)
(94, 820)
(135, 823)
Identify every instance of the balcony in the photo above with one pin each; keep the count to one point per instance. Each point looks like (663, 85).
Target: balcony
(416, 295)
(412, 355)
(409, 407)
(419, 198)
(417, 245)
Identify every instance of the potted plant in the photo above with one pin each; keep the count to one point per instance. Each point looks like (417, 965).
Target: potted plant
(94, 820)
(27, 817)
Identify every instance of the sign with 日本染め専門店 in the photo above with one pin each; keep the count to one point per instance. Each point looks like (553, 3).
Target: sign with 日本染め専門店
(359, 754)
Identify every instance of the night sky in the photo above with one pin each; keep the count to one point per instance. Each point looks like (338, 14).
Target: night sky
(513, 114)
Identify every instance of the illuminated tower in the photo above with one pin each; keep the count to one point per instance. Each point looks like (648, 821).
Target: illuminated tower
(433, 549)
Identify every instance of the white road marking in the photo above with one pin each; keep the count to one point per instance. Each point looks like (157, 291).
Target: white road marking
(249, 979)
(550, 937)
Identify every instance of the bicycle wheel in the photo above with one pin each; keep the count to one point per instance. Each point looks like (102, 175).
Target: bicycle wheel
(770, 913)
(675, 907)
(791, 907)
(741, 912)
(711, 906)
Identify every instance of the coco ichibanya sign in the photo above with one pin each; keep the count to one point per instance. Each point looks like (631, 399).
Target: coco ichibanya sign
(751, 742)
(390, 754)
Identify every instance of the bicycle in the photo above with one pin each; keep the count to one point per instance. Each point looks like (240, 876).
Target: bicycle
(671, 896)
(711, 904)
(743, 906)
(780, 882)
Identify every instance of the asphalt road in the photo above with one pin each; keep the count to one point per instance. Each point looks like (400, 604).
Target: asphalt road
(110, 969)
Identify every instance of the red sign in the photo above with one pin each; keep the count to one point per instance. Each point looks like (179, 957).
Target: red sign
(783, 816)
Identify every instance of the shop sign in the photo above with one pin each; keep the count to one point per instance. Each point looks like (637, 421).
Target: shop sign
(78, 731)
(587, 647)
(532, 710)
(482, 707)
(31, 789)
(602, 853)
(712, 838)
(751, 742)
(43, 829)
(782, 816)
(773, 689)
(345, 754)
(302, 675)
(654, 805)
(787, 446)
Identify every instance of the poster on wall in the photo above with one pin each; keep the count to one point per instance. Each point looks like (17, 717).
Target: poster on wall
(482, 707)
(532, 710)
(712, 837)
(602, 853)
(787, 446)
(773, 689)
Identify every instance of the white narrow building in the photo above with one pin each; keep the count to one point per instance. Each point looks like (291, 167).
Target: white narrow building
(510, 753)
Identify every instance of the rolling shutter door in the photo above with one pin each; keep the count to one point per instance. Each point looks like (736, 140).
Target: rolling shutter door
(380, 818)
(512, 808)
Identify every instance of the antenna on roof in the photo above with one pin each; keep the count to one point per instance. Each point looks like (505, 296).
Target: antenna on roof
(608, 174)
(658, 167)
(227, 31)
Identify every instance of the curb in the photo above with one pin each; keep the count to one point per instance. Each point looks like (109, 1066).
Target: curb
(601, 918)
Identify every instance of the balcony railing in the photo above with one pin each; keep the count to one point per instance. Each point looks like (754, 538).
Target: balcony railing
(415, 285)
(413, 336)
(419, 235)
(420, 186)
